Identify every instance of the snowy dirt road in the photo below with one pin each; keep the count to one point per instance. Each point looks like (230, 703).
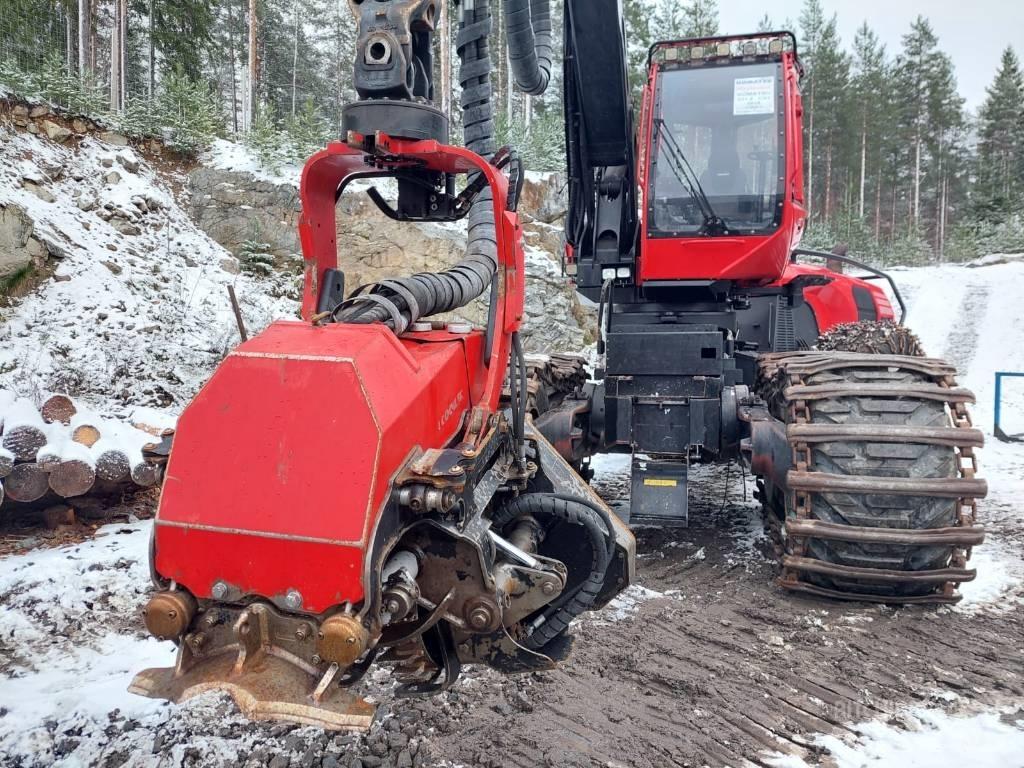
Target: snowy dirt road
(705, 662)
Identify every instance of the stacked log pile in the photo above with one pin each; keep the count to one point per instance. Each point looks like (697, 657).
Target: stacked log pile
(64, 450)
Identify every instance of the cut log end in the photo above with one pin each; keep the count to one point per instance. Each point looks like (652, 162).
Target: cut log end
(72, 478)
(86, 434)
(23, 441)
(58, 408)
(26, 483)
(113, 466)
(6, 464)
(146, 475)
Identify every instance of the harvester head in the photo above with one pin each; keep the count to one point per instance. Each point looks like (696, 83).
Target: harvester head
(342, 494)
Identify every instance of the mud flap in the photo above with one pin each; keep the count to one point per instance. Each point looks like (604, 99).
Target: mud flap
(658, 493)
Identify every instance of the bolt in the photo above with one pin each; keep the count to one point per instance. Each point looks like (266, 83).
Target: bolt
(197, 640)
(392, 606)
(219, 591)
(456, 470)
(480, 618)
(548, 588)
(211, 618)
(350, 640)
(293, 599)
(302, 633)
(316, 658)
(469, 453)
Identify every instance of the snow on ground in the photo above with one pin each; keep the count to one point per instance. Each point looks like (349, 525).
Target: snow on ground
(137, 312)
(972, 317)
(232, 156)
(66, 652)
(927, 739)
(625, 604)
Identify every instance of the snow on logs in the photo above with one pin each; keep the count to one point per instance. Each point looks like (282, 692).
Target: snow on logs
(65, 450)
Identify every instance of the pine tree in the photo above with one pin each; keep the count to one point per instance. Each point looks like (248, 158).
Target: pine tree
(812, 22)
(868, 88)
(182, 33)
(669, 20)
(1001, 141)
(832, 114)
(255, 257)
(934, 116)
(639, 38)
(700, 19)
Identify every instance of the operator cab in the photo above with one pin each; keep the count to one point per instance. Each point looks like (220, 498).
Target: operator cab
(717, 134)
(721, 180)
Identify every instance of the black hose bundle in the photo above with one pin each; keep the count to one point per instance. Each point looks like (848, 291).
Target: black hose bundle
(402, 301)
(551, 507)
(530, 51)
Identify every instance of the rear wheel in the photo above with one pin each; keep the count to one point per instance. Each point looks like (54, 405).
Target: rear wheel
(880, 504)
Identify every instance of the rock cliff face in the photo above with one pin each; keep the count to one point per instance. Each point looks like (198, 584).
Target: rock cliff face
(234, 207)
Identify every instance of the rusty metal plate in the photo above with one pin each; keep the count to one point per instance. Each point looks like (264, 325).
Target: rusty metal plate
(270, 689)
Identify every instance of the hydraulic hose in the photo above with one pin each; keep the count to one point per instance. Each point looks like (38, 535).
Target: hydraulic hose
(530, 51)
(548, 508)
(400, 302)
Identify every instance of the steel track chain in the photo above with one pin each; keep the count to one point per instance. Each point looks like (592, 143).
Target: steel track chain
(783, 374)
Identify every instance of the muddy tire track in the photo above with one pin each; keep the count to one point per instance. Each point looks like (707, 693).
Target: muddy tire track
(727, 666)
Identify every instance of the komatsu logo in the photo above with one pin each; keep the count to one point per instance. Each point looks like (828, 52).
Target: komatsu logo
(450, 411)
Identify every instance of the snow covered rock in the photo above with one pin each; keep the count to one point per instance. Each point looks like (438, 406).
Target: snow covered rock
(56, 131)
(236, 203)
(167, 320)
(18, 249)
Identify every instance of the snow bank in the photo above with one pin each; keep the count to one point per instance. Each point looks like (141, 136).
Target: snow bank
(987, 740)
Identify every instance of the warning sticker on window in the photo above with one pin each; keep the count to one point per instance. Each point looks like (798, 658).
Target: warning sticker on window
(754, 96)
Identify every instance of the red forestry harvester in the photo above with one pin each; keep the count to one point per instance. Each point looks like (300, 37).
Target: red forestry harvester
(395, 503)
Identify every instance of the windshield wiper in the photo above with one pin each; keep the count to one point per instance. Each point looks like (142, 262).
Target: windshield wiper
(713, 223)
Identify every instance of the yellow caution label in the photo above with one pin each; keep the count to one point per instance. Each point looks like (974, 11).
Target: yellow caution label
(660, 482)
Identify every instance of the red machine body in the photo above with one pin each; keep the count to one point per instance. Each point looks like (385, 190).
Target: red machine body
(745, 259)
(346, 406)
(753, 260)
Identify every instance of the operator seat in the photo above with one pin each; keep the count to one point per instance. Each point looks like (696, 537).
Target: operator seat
(724, 177)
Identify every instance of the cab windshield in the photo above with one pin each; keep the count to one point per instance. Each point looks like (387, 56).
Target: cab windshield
(716, 162)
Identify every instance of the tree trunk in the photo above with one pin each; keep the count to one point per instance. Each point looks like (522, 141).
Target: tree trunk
(828, 181)
(253, 59)
(234, 60)
(74, 477)
(863, 164)
(446, 61)
(152, 54)
(58, 408)
(916, 217)
(878, 204)
(116, 60)
(27, 483)
(112, 464)
(810, 151)
(295, 58)
(69, 41)
(84, 38)
(892, 223)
